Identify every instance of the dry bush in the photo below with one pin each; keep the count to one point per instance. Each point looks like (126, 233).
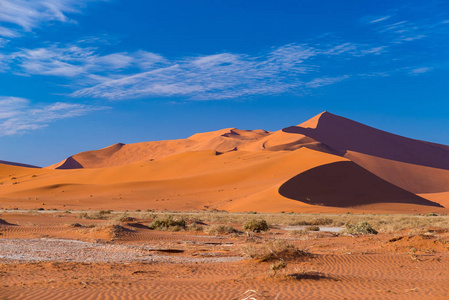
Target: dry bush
(315, 222)
(168, 222)
(195, 227)
(256, 225)
(126, 218)
(100, 215)
(272, 251)
(220, 229)
(361, 228)
(313, 228)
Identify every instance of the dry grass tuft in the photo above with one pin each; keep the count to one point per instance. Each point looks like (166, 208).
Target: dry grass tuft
(361, 228)
(168, 222)
(220, 229)
(255, 225)
(273, 251)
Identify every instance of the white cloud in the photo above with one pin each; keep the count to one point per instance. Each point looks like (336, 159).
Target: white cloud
(18, 16)
(19, 115)
(422, 70)
(319, 82)
(377, 20)
(74, 61)
(128, 75)
(225, 75)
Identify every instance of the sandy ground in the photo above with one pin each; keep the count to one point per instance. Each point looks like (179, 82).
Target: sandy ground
(60, 256)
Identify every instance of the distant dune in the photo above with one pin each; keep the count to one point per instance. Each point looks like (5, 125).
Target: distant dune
(17, 164)
(326, 164)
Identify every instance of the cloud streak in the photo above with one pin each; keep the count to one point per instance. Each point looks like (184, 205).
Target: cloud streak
(129, 75)
(18, 16)
(19, 115)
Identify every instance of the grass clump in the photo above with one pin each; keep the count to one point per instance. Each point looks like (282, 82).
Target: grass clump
(256, 225)
(195, 227)
(278, 250)
(220, 229)
(313, 228)
(101, 215)
(315, 222)
(126, 218)
(361, 228)
(168, 222)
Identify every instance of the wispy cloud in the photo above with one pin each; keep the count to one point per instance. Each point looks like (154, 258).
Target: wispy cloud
(17, 16)
(400, 29)
(379, 19)
(127, 75)
(421, 70)
(74, 61)
(19, 115)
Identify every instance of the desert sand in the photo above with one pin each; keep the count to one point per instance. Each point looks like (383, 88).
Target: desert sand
(58, 255)
(64, 235)
(347, 166)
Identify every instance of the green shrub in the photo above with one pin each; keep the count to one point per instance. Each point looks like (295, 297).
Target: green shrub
(256, 225)
(361, 228)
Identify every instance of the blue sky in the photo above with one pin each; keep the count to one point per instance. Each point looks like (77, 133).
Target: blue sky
(78, 75)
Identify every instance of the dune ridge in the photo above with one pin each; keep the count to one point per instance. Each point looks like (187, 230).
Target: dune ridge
(327, 163)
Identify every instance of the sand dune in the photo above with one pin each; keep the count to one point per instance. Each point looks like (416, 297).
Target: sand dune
(17, 164)
(414, 178)
(347, 135)
(327, 163)
(344, 184)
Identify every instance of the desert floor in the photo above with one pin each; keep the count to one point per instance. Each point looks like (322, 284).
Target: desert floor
(115, 255)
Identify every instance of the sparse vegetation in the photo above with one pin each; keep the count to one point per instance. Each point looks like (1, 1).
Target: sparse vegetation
(195, 227)
(273, 251)
(256, 225)
(126, 218)
(168, 222)
(313, 228)
(361, 228)
(220, 229)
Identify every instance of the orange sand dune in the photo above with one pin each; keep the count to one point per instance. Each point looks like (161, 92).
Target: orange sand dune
(121, 154)
(309, 167)
(442, 198)
(414, 178)
(346, 135)
(344, 184)
(17, 164)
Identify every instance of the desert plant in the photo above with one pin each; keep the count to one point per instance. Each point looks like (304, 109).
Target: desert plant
(255, 225)
(125, 218)
(220, 229)
(313, 228)
(168, 223)
(279, 265)
(273, 251)
(194, 227)
(361, 228)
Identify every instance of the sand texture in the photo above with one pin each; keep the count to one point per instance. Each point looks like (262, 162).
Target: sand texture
(62, 256)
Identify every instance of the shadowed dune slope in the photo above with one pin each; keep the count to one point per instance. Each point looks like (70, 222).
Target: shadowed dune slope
(17, 164)
(343, 134)
(413, 178)
(344, 184)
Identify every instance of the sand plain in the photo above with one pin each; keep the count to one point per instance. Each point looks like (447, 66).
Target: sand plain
(62, 255)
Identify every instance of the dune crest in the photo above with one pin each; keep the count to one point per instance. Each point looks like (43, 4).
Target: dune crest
(326, 164)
